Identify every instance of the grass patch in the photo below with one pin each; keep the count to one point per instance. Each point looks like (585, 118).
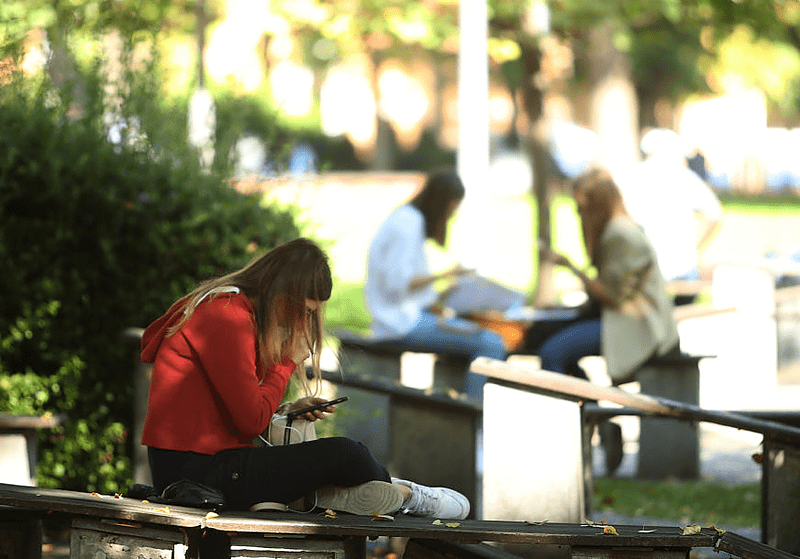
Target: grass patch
(701, 502)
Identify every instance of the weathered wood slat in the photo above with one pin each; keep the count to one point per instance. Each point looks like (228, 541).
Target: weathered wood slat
(383, 385)
(465, 531)
(566, 386)
(106, 506)
(746, 548)
(10, 421)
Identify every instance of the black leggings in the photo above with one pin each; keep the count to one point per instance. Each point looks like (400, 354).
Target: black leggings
(280, 474)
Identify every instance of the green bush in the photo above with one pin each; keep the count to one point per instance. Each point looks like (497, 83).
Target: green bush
(95, 238)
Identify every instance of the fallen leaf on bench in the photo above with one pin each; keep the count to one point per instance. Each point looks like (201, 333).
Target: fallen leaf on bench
(610, 530)
(436, 522)
(117, 496)
(329, 513)
(720, 531)
(96, 494)
(690, 529)
(163, 509)
(453, 524)
(212, 514)
(376, 516)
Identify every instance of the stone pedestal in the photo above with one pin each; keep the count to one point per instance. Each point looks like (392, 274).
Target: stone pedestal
(670, 447)
(533, 457)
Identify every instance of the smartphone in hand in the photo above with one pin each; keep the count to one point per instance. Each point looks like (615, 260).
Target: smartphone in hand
(295, 414)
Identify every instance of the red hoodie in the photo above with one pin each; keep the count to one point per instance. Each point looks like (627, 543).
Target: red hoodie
(205, 394)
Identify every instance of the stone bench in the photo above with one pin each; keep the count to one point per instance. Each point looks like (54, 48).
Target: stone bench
(669, 448)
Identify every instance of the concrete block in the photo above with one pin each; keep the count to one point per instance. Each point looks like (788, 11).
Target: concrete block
(781, 506)
(16, 466)
(669, 447)
(533, 458)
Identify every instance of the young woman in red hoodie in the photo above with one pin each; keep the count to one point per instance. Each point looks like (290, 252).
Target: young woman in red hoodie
(222, 358)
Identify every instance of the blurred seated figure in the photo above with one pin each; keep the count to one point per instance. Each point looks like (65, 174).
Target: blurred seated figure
(678, 210)
(400, 292)
(635, 319)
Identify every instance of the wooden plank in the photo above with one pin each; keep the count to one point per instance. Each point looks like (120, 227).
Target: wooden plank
(94, 504)
(699, 310)
(746, 548)
(429, 397)
(688, 287)
(530, 377)
(10, 421)
(464, 531)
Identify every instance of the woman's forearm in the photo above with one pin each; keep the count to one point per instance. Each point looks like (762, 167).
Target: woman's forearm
(419, 282)
(594, 287)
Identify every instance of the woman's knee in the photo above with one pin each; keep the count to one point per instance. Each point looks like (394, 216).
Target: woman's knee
(354, 459)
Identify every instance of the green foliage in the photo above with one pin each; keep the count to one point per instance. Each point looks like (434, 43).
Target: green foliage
(94, 238)
(346, 308)
(238, 115)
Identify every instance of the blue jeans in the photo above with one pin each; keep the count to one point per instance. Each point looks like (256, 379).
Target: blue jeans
(433, 334)
(561, 352)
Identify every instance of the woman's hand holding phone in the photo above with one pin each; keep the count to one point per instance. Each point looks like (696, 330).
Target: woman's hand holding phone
(312, 408)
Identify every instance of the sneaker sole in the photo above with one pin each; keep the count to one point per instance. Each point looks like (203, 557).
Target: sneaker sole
(269, 506)
(373, 497)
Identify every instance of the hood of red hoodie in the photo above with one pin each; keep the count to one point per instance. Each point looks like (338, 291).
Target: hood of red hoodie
(157, 331)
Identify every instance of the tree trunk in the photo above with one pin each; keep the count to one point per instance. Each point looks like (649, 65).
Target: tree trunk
(544, 294)
(63, 68)
(614, 106)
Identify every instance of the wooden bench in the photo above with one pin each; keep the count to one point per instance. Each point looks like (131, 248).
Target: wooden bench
(111, 526)
(781, 461)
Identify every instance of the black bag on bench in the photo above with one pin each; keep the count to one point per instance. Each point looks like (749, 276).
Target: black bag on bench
(184, 493)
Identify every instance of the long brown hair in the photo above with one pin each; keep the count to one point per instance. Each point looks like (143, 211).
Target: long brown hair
(599, 200)
(278, 284)
(441, 188)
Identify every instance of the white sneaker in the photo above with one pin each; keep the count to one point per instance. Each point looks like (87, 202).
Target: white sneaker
(438, 502)
(372, 497)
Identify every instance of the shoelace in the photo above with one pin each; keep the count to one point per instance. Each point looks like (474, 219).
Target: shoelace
(422, 495)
